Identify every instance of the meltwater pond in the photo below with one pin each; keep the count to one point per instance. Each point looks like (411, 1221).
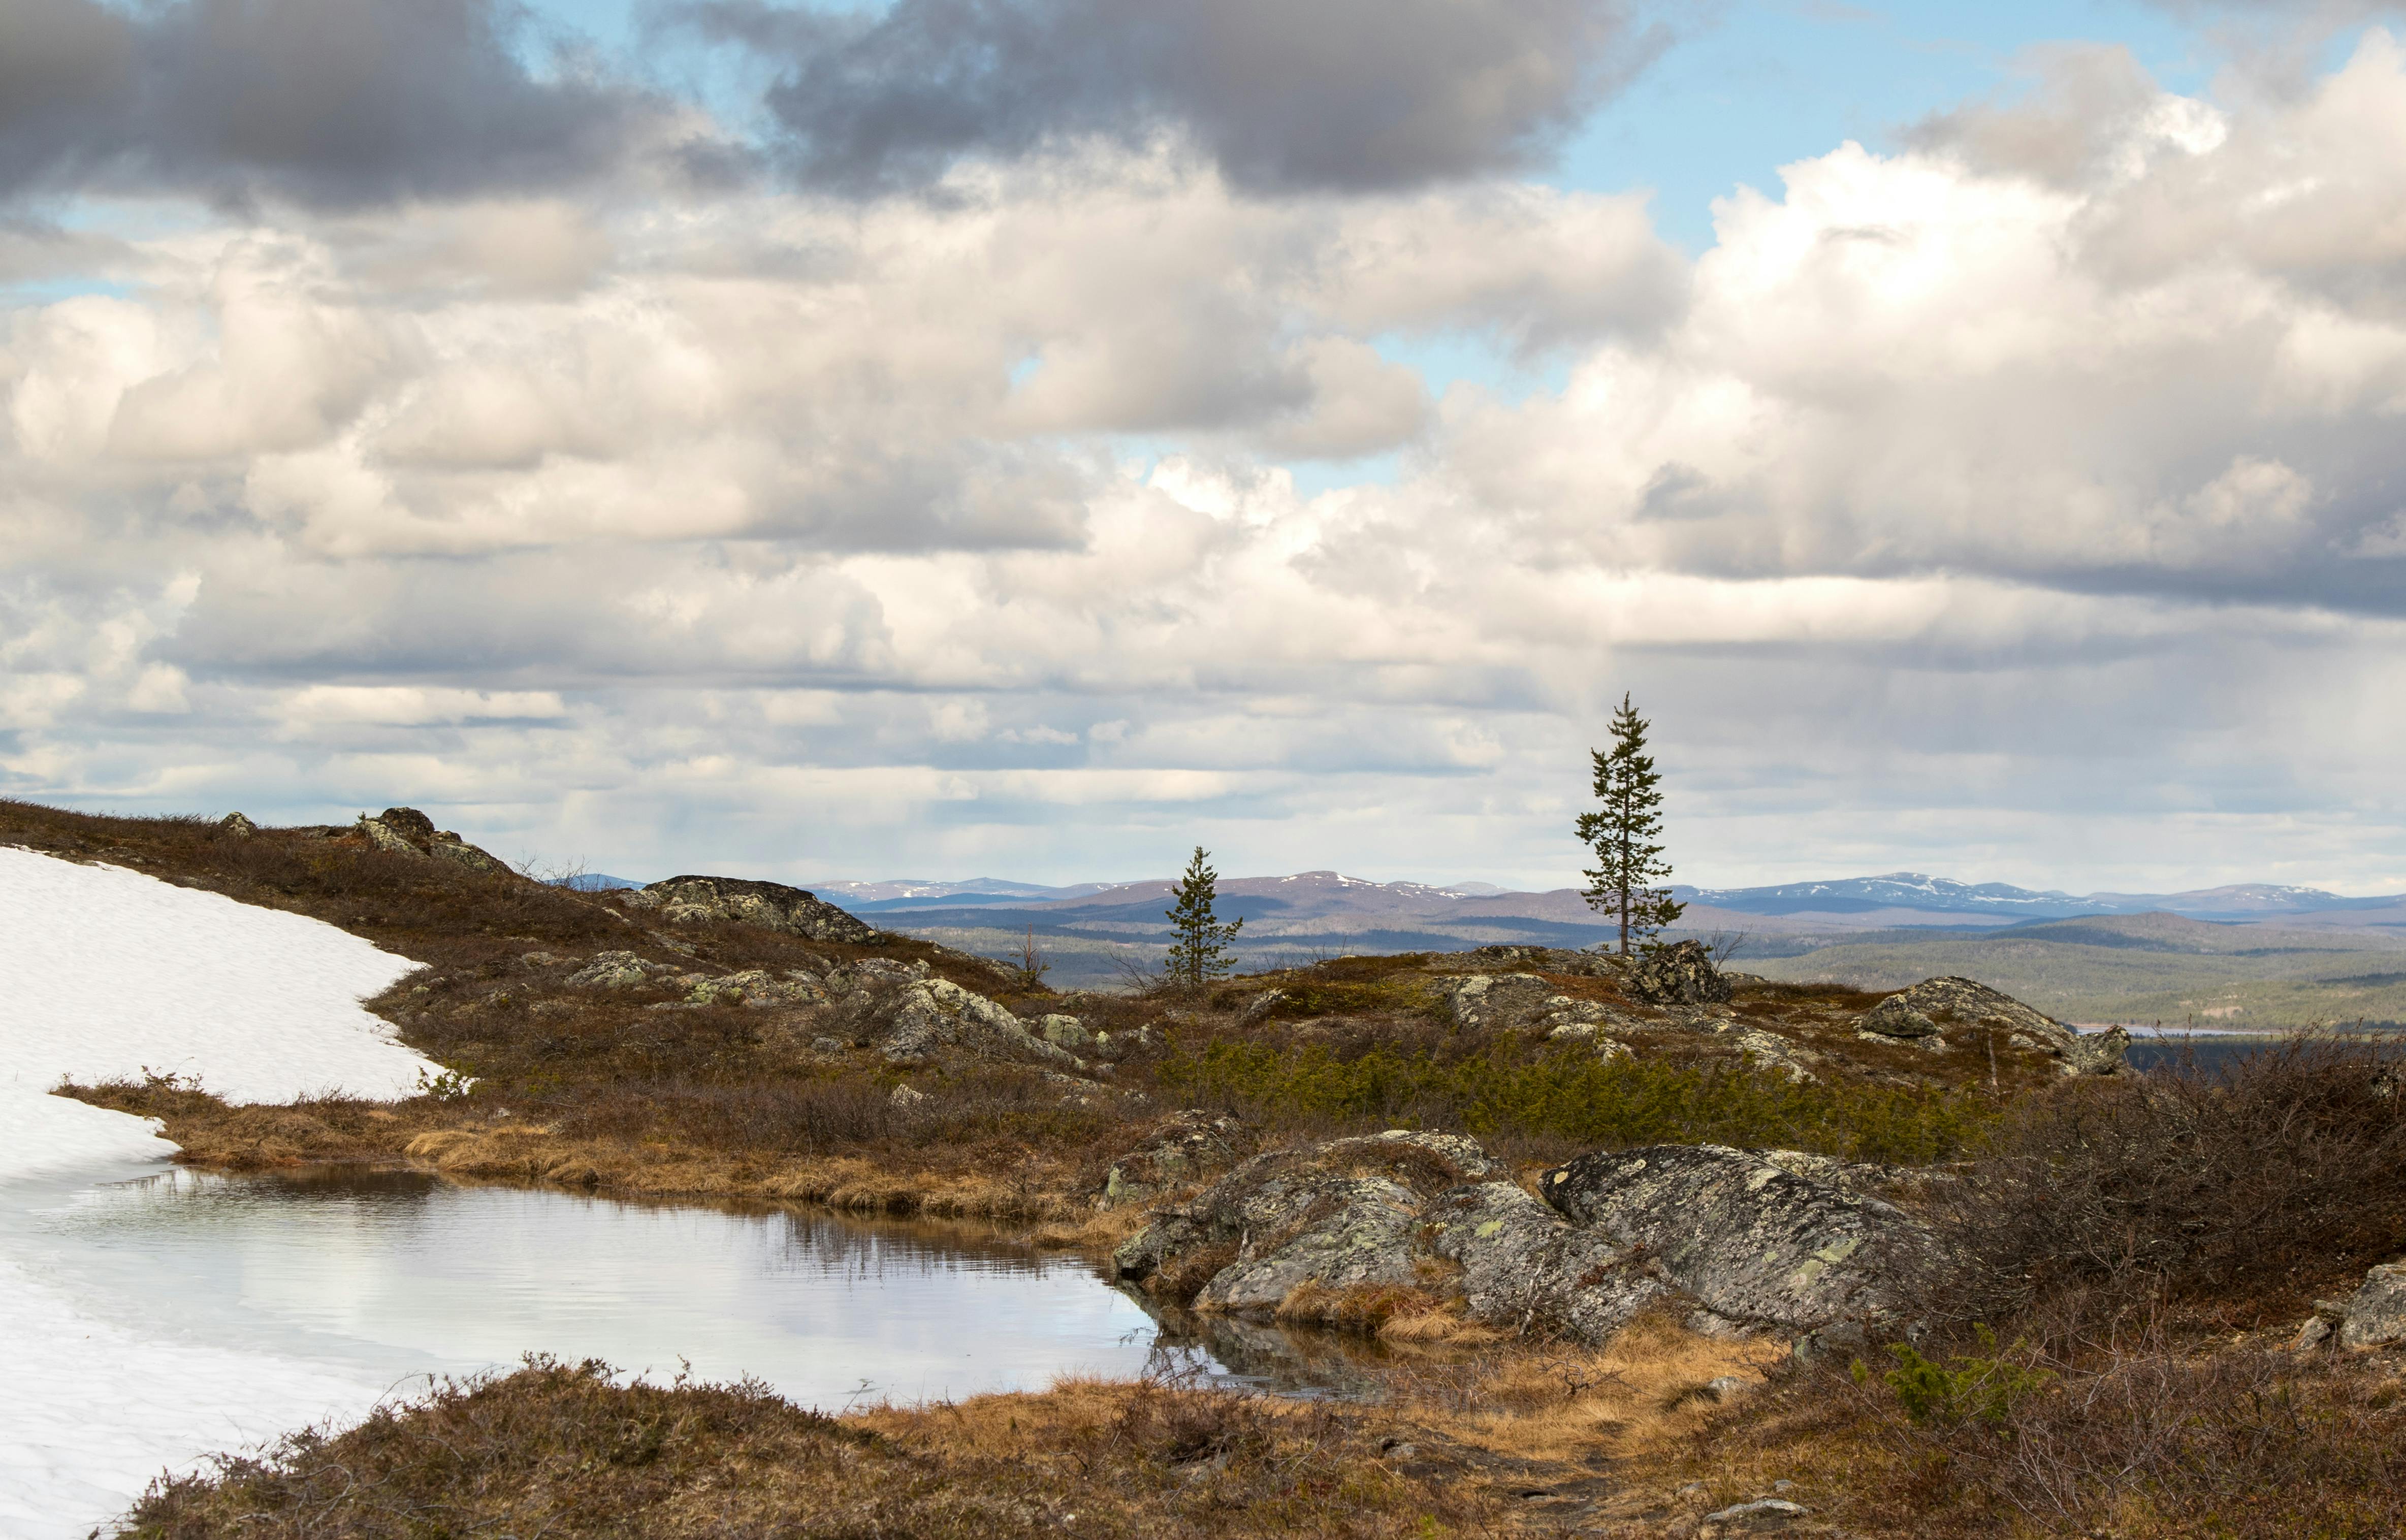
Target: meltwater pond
(400, 1272)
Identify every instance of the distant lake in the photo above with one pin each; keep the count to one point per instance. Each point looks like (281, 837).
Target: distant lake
(2211, 1052)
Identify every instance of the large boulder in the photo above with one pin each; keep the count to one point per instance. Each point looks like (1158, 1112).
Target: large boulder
(1936, 1006)
(1339, 1213)
(1680, 974)
(772, 906)
(407, 831)
(1757, 1244)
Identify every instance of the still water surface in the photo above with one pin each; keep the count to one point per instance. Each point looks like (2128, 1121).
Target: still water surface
(404, 1273)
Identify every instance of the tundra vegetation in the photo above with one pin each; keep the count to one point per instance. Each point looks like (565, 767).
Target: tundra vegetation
(2063, 1300)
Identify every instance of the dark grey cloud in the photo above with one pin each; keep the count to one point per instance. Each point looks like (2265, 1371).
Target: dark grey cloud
(1345, 94)
(333, 102)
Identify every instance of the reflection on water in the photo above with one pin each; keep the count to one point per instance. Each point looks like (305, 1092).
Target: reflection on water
(407, 1274)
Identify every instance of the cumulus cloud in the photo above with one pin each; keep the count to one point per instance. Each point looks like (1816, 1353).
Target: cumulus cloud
(333, 102)
(2032, 490)
(1347, 95)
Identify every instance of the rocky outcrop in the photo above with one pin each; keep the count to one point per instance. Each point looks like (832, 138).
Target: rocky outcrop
(755, 988)
(1755, 1243)
(617, 970)
(1734, 1241)
(1934, 1007)
(1681, 974)
(237, 825)
(933, 1015)
(1550, 959)
(407, 831)
(772, 906)
(1182, 1148)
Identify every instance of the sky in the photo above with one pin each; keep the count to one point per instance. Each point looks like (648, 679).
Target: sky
(1032, 438)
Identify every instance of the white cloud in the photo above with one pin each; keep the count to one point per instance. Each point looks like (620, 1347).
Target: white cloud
(1987, 496)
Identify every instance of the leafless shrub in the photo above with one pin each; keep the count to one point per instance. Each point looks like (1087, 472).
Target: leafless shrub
(2238, 1191)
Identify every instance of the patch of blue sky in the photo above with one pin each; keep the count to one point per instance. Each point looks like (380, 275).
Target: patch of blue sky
(28, 292)
(1756, 84)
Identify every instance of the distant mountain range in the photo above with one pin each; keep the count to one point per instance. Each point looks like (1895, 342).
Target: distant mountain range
(2000, 903)
(1328, 903)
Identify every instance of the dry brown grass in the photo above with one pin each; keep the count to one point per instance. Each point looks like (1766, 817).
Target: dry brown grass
(563, 1451)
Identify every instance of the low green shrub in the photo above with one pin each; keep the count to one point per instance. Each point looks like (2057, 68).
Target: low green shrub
(1509, 1088)
(1983, 1387)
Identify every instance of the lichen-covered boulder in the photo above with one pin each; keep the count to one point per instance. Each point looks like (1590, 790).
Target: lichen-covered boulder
(1338, 1213)
(772, 906)
(1936, 1006)
(936, 1014)
(1525, 1267)
(1184, 1148)
(1487, 1001)
(407, 831)
(1064, 1031)
(1756, 1244)
(2375, 1314)
(385, 837)
(1348, 1231)
(1680, 974)
(1895, 1017)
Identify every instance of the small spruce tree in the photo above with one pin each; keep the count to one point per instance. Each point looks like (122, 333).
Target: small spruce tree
(1199, 951)
(1625, 834)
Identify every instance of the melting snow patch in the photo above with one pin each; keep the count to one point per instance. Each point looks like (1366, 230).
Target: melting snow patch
(108, 973)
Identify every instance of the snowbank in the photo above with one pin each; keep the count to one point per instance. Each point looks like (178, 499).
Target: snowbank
(107, 972)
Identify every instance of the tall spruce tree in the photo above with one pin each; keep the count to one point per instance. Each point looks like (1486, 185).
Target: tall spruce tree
(1625, 834)
(1199, 951)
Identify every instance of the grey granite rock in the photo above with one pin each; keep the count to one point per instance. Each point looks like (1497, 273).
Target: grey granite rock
(1757, 1244)
(772, 906)
(2376, 1312)
(1681, 974)
(932, 1015)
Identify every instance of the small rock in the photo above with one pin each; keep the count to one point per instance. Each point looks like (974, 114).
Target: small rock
(237, 825)
(1065, 1032)
(906, 1099)
(1260, 1006)
(1760, 1517)
(1729, 1388)
(2313, 1334)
